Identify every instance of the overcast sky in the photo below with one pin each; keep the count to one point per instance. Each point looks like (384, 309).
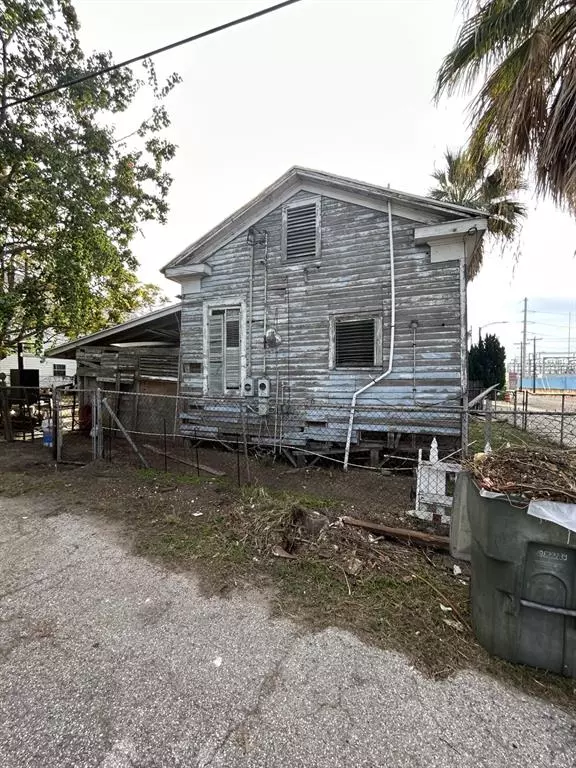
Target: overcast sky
(344, 86)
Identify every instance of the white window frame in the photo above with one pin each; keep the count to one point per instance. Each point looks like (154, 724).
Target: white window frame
(223, 304)
(58, 375)
(299, 204)
(351, 317)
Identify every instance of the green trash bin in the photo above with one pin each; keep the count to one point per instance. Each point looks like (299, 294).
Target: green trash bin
(523, 584)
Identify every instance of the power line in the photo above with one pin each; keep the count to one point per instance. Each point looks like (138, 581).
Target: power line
(541, 312)
(149, 54)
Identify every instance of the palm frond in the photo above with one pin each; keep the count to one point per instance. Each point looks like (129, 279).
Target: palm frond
(472, 179)
(525, 110)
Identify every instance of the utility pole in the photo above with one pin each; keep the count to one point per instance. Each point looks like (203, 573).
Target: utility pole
(523, 350)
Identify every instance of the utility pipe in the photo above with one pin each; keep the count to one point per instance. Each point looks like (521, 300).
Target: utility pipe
(265, 260)
(252, 241)
(388, 370)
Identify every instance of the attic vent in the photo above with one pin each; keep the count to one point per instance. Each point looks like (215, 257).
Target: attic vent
(301, 231)
(355, 343)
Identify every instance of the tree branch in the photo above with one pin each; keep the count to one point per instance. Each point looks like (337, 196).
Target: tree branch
(4, 94)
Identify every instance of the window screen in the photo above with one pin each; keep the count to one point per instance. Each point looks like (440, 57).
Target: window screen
(301, 232)
(355, 341)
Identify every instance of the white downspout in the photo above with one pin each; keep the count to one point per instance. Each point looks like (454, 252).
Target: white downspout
(265, 302)
(392, 340)
(250, 304)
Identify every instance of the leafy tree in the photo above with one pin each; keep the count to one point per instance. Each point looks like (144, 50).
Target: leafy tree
(476, 182)
(72, 195)
(487, 362)
(523, 54)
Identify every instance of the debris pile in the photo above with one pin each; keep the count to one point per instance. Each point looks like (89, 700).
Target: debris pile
(534, 473)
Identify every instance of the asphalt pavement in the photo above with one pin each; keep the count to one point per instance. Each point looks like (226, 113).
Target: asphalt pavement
(108, 660)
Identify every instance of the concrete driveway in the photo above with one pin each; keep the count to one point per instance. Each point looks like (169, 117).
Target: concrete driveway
(107, 660)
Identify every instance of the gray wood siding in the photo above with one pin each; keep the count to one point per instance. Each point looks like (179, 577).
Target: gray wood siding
(353, 277)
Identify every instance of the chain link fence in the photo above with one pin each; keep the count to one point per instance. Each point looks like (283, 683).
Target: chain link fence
(401, 461)
(255, 441)
(526, 418)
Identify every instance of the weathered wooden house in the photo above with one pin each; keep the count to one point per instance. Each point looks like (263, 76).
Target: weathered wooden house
(328, 315)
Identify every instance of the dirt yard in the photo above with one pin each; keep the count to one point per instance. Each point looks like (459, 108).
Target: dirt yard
(282, 534)
(384, 495)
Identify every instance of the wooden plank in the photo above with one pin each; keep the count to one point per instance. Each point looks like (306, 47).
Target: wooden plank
(404, 534)
(203, 467)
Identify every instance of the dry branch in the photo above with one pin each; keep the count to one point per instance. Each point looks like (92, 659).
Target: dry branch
(403, 534)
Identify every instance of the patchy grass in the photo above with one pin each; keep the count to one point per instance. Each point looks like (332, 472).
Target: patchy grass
(157, 477)
(502, 434)
(328, 575)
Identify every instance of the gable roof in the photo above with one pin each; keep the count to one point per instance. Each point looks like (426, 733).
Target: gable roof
(162, 325)
(317, 182)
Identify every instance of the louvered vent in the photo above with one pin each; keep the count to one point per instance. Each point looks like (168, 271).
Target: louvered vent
(301, 232)
(152, 366)
(355, 343)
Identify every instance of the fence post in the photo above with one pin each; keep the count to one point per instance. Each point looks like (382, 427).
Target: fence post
(165, 447)
(55, 424)
(73, 410)
(562, 419)
(488, 428)
(59, 423)
(245, 443)
(5, 405)
(524, 410)
(515, 407)
(238, 463)
(197, 449)
(97, 438)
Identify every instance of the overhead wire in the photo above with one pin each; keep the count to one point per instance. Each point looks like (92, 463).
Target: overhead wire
(148, 54)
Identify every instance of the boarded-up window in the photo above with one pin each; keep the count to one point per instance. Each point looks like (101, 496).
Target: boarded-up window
(301, 231)
(224, 350)
(355, 343)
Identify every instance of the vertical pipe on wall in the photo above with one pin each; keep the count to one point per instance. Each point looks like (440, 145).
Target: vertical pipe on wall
(464, 351)
(392, 341)
(265, 301)
(252, 241)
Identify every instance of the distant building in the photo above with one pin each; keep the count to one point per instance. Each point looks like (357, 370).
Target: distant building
(52, 370)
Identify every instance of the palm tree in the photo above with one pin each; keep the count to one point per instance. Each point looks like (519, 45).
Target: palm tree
(471, 179)
(524, 51)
